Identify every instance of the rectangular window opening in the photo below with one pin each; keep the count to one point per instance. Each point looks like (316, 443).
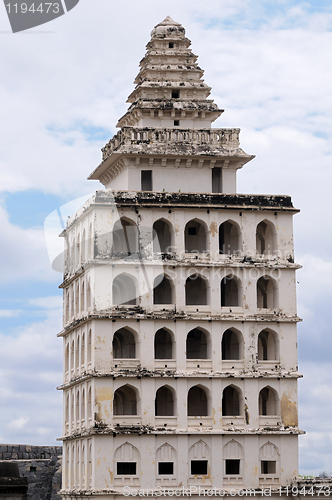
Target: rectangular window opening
(165, 468)
(268, 467)
(192, 231)
(175, 94)
(232, 467)
(126, 468)
(216, 180)
(176, 123)
(146, 180)
(171, 45)
(199, 467)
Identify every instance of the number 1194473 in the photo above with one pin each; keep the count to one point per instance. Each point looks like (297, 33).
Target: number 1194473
(41, 8)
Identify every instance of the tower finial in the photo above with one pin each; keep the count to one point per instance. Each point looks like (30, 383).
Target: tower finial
(168, 21)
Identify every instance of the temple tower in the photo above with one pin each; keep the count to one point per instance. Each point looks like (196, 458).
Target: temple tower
(180, 343)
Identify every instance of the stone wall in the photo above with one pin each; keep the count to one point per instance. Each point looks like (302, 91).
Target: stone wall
(40, 464)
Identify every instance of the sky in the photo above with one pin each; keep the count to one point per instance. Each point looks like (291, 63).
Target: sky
(63, 87)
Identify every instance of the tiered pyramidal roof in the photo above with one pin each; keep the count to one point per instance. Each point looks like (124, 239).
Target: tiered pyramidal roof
(170, 84)
(169, 120)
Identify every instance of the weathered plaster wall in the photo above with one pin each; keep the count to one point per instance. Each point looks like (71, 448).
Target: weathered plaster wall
(92, 374)
(214, 448)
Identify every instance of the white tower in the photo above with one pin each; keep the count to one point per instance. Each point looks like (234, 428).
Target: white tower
(179, 304)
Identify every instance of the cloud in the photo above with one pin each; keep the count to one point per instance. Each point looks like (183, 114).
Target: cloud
(10, 313)
(47, 302)
(315, 347)
(30, 371)
(314, 299)
(18, 424)
(315, 394)
(23, 253)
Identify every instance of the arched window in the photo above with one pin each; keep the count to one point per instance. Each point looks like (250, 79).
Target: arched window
(196, 291)
(195, 237)
(77, 354)
(269, 460)
(72, 409)
(72, 356)
(72, 466)
(82, 307)
(266, 238)
(232, 345)
(83, 477)
(124, 345)
(163, 290)
(83, 247)
(89, 348)
(231, 399)
(90, 243)
(197, 404)
(83, 349)
(89, 405)
(77, 410)
(233, 459)
(163, 345)
(126, 458)
(77, 298)
(268, 346)
(125, 401)
(230, 287)
(166, 463)
(199, 461)
(73, 250)
(78, 251)
(267, 293)
(66, 470)
(196, 345)
(77, 462)
(162, 236)
(124, 290)
(229, 236)
(67, 411)
(83, 406)
(67, 299)
(125, 237)
(89, 460)
(67, 358)
(72, 301)
(164, 402)
(88, 295)
(268, 402)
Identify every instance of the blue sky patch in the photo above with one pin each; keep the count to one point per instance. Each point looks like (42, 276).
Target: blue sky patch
(90, 132)
(29, 209)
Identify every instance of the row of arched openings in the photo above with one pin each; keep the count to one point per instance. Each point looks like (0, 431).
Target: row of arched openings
(126, 400)
(77, 298)
(125, 291)
(198, 344)
(127, 459)
(126, 237)
(81, 247)
(78, 353)
(78, 471)
(78, 408)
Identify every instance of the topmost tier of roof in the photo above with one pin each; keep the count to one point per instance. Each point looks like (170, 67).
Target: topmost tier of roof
(168, 28)
(169, 82)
